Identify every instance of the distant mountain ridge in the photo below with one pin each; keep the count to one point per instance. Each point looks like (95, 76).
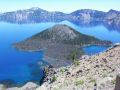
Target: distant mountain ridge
(83, 16)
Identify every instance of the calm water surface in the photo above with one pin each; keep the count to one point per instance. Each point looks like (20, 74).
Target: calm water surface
(19, 66)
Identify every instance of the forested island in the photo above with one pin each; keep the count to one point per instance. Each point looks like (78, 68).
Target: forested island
(59, 43)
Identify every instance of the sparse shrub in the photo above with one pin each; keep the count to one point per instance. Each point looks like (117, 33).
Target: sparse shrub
(62, 70)
(46, 70)
(73, 55)
(76, 62)
(55, 88)
(54, 78)
(92, 80)
(113, 81)
(79, 82)
(110, 59)
(66, 83)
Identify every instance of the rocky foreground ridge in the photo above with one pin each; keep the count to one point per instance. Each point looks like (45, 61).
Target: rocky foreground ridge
(100, 69)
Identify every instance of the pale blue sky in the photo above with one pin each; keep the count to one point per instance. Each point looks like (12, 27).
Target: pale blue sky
(59, 5)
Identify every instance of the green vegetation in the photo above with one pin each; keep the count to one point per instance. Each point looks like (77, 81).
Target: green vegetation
(54, 78)
(79, 82)
(80, 39)
(73, 56)
(66, 83)
(113, 81)
(68, 45)
(62, 70)
(55, 88)
(110, 59)
(46, 70)
(92, 80)
(76, 62)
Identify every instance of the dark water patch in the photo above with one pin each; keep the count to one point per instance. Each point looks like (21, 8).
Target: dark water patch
(8, 82)
(36, 72)
(37, 75)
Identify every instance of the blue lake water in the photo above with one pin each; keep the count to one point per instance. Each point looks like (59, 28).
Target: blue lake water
(90, 50)
(19, 66)
(14, 65)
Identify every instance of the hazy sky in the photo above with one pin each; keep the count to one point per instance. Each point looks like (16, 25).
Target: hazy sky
(59, 5)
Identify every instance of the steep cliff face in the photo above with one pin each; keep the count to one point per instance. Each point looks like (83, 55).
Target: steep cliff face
(89, 15)
(113, 17)
(111, 14)
(33, 15)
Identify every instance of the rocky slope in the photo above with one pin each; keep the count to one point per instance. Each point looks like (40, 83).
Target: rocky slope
(83, 17)
(100, 69)
(59, 43)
